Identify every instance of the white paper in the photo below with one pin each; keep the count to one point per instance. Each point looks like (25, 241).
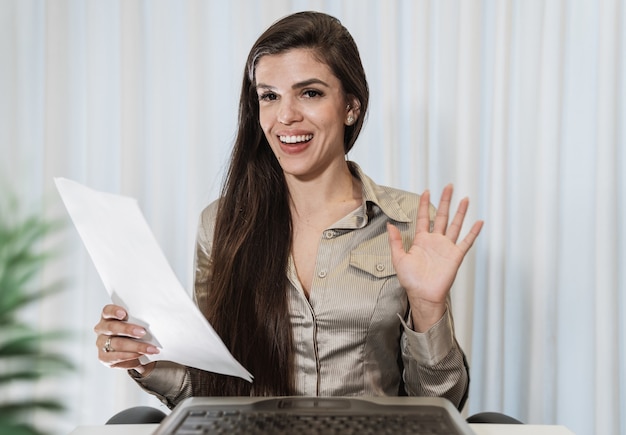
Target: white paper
(138, 277)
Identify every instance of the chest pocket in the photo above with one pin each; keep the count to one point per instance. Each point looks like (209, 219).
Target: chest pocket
(379, 266)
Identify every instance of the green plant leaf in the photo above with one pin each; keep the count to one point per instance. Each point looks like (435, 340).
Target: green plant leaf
(33, 368)
(8, 428)
(9, 307)
(28, 344)
(16, 299)
(23, 354)
(15, 409)
(30, 375)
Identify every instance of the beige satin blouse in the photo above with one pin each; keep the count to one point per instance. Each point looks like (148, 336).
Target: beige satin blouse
(353, 335)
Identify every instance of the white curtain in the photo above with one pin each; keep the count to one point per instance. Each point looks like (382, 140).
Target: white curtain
(521, 104)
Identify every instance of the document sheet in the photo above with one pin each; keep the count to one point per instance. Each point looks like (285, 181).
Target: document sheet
(138, 277)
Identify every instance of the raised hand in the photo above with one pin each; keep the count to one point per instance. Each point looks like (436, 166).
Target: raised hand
(118, 341)
(428, 269)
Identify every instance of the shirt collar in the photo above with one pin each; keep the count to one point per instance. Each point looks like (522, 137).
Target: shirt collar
(373, 193)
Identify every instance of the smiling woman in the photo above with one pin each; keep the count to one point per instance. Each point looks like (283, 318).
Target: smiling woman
(301, 265)
(304, 115)
(520, 104)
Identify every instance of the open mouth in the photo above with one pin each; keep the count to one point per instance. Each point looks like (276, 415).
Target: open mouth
(296, 139)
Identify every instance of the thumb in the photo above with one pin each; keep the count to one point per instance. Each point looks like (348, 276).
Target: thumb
(395, 242)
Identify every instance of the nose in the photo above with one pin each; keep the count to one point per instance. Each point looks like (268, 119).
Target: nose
(288, 111)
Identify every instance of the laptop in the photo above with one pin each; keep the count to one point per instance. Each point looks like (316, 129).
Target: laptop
(314, 415)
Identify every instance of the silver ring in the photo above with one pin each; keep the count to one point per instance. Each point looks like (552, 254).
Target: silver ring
(107, 346)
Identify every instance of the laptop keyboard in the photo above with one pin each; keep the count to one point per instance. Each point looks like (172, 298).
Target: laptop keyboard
(237, 421)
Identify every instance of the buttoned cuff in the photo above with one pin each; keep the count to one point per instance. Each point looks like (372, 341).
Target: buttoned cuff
(164, 381)
(430, 347)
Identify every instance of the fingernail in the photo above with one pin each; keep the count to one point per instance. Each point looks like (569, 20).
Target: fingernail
(139, 331)
(120, 314)
(152, 349)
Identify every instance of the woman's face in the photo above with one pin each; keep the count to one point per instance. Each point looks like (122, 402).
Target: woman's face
(303, 112)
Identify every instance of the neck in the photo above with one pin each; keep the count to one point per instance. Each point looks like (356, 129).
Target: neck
(332, 190)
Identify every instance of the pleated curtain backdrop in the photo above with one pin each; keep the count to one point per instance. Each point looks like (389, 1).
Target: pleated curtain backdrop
(520, 104)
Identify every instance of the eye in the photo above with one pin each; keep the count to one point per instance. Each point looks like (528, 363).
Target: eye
(268, 96)
(311, 93)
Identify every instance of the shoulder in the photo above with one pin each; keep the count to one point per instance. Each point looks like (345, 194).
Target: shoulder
(210, 211)
(206, 224)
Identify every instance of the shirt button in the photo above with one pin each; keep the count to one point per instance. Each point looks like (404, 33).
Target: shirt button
(322, 274)
(329, 234)
(380, 267)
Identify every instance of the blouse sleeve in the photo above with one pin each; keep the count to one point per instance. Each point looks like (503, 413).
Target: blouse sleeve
(434, 364)
(168, 381)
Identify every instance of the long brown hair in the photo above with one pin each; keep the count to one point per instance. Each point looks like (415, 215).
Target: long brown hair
(247, 303)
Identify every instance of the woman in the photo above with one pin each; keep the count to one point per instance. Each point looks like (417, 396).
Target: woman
(302, 264)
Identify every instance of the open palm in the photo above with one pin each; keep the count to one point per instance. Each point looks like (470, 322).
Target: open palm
(428, 269)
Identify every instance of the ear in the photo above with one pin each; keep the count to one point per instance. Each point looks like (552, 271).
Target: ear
(353, 110)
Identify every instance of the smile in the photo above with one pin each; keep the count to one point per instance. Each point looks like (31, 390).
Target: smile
(296, 139)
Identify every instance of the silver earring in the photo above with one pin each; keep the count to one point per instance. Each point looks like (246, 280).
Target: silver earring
(350, 119)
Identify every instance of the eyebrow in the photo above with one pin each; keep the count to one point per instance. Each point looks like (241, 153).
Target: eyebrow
(299, 85)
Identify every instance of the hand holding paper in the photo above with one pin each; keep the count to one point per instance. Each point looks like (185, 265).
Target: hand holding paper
(138, 277)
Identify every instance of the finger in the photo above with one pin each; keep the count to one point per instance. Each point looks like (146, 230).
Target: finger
(114, 312)
(118, 327)
(395, 242)
(468, 241)
(113, 359)
(423, 215)
(121, 347)
(113, 322)
(457, 223)
(443, 210)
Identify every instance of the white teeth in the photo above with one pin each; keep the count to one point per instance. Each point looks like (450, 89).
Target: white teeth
(296, 139)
